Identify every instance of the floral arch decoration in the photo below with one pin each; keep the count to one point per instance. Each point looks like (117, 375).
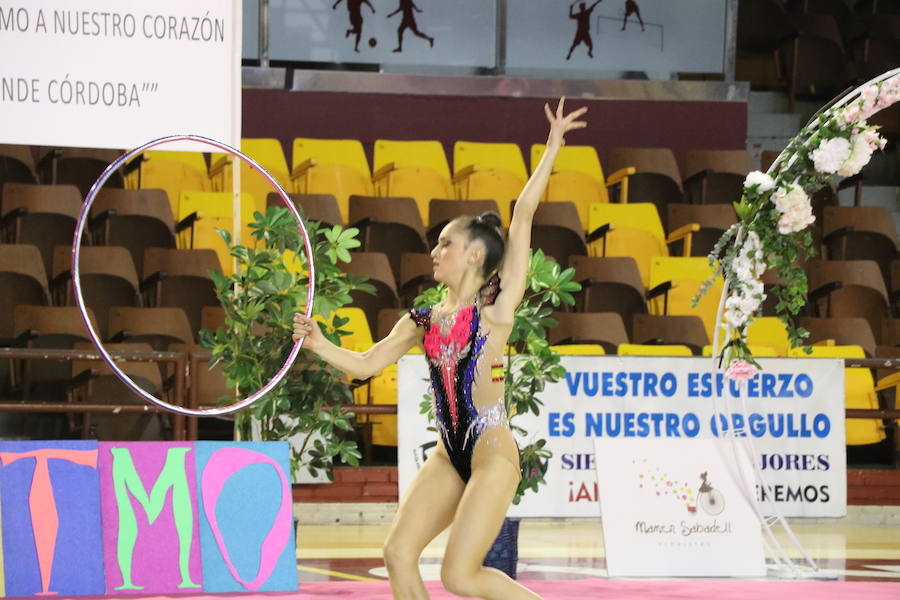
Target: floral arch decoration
(774, 213)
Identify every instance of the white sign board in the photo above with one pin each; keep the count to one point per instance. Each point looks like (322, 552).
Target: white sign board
(675, 508)
(118, 73)
(794, 416)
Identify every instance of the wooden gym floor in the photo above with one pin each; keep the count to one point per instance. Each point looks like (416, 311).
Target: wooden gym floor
(573, 549)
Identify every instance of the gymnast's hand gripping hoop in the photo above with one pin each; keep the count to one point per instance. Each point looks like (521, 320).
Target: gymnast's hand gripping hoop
(79, 298)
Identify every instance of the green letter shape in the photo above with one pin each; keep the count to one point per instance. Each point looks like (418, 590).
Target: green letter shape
(174, 476)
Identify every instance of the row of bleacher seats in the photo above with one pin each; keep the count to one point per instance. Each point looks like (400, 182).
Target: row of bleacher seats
(818, 47)
(339, 168)
(138, 219)
(109, 278)
(418, 169)
(179, 278)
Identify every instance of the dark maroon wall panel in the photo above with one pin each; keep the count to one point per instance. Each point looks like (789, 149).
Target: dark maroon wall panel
(680, 126)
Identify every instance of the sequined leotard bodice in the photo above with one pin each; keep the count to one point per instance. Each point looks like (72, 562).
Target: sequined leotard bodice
(453, 359)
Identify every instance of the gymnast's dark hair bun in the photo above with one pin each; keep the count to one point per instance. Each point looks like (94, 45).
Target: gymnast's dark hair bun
(487, 228)
(490, 218)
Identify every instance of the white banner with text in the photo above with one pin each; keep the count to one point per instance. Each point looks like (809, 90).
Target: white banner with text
(793, 414)
(677, 508)
(118, 73)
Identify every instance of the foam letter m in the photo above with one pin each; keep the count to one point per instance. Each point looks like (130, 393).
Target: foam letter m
(169, 507)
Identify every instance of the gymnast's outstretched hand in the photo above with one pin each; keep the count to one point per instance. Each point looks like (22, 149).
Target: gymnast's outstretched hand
(562, 123)
(309, 328)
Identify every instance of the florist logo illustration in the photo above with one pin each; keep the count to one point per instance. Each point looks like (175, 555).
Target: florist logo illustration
(658, 482)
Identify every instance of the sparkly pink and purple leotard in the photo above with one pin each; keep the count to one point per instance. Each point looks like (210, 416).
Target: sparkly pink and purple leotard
(453, 359)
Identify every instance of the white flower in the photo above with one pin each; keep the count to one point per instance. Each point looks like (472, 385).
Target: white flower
(733, 314)
(751, 244)
(794, 221)
(743, 268)
(760, 179)
(862, 145)
(831, 154)
(795, 208)
(755, 288)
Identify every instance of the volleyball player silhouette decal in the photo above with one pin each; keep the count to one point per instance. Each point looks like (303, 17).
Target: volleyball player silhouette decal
(354, 11)
(408, 21)
(582, 18)
(631, 8)
(583, 33)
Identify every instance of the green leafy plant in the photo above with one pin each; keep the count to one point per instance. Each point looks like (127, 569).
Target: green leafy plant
(260, 301)
(535, 364)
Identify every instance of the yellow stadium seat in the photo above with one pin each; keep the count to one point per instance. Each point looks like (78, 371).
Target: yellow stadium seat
(416, 170)
(579, 349)
(381, 389)
(487, 171)
(766, 332)
(214, 211)
(174, 172)
(756, 350)
(829, 350)
(770, 332)
(360, 337)
(268, 153)
(633, 230)
(859, 392)
(653, 350)
(293, 262)
(683, 277)
(578, 177)
(336, 167)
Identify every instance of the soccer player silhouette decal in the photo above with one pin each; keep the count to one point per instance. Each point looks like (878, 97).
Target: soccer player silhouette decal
(408, 21)
(354, 11)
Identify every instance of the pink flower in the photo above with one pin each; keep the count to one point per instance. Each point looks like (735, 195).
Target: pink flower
(740, 371)
(870, 93)
(850, 114)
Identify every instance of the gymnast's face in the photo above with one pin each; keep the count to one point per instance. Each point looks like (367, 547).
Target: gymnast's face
(454, 254)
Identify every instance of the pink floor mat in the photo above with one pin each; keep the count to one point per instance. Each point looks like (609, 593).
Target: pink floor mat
(602, 589)
(596, 589)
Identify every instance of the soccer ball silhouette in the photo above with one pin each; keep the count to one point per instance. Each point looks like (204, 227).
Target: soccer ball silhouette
(373, 42)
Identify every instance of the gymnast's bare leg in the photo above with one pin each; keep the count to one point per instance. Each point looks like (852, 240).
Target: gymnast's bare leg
(475, 527)
(426, 510)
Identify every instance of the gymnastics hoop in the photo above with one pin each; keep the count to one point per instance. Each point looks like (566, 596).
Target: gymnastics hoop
(79, 298)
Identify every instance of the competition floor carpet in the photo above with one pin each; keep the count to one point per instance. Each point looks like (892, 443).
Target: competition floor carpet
(594, 589)
(566, 561)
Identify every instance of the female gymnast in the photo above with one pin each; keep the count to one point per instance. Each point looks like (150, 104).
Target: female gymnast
(471, 477)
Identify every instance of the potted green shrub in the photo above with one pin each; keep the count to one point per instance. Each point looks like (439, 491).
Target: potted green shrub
(260, 300)
(528, 371)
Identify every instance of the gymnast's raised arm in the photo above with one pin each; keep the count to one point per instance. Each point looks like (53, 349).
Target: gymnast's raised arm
(515, 262)
(360, 365)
